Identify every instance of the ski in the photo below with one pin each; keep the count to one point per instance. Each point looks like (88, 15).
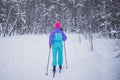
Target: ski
(60, 67)
(54, 70)
(59, 70)
(53, 74)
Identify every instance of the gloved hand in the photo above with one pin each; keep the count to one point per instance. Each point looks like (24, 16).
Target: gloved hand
(61, 29)
(50, 46)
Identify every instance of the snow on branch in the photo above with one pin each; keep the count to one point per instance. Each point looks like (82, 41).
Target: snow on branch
(13, 26)
(114, 32)
(79, 5)
(0, 26)
(55, 1)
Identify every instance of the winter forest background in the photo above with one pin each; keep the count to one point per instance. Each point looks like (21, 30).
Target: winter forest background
(18, 17)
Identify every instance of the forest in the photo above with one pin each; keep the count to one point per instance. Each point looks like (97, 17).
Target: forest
(88, 17)
(93, 38)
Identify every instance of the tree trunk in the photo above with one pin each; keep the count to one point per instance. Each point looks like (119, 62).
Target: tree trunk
(7, 22)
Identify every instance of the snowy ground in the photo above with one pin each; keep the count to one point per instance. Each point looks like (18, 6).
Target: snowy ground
(25, 58)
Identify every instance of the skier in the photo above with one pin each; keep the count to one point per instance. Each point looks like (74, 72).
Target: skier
(56, 38)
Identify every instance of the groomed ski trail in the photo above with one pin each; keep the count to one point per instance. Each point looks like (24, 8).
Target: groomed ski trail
(25, 58)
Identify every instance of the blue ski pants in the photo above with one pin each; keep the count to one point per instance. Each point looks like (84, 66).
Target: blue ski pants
(57, 53)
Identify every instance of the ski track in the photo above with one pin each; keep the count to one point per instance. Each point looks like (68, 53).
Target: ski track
(25, 58)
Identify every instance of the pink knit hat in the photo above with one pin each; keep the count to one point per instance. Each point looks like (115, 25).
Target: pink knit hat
(57, 24)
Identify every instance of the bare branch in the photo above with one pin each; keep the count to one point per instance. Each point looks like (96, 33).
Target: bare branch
(13, 26)
(7, 21)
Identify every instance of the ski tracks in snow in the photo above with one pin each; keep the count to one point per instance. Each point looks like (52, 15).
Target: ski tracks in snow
(83, 61)
(25, 58)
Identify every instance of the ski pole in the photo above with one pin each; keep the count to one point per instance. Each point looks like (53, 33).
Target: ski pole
(48, 61)
(65, 55)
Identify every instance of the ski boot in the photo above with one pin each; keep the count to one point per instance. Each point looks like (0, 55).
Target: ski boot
(60, 67)
(54, 70)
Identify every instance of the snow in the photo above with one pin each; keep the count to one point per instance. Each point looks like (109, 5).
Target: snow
(79, 5)
(25, 58)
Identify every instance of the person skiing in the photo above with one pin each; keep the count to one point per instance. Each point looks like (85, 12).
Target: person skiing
(56, 38)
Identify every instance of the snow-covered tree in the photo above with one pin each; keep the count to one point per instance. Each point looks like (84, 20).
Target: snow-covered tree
(78, 16)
